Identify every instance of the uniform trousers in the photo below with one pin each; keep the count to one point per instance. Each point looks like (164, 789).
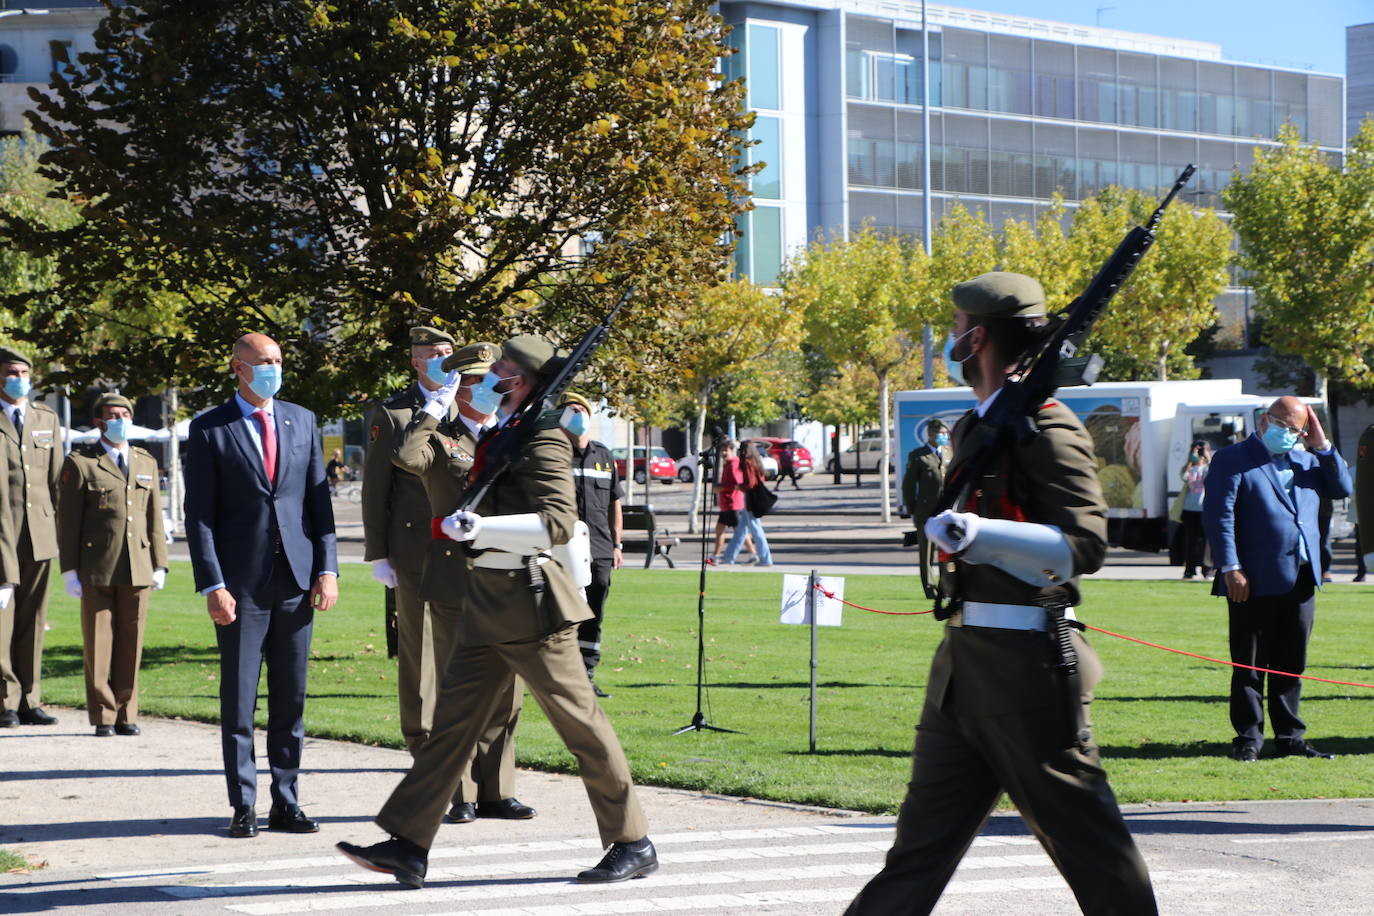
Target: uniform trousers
(929, 565)
(960, 767)
(476, 680)
(21, 638)
(589, 631)
(274, 626)
(112, 621)
(1270, 631)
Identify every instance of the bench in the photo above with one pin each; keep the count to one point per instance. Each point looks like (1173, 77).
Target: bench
(656, 541)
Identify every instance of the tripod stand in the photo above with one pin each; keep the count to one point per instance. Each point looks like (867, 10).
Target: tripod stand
(699, 722)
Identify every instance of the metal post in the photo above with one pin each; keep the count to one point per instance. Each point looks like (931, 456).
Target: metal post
(811, 582)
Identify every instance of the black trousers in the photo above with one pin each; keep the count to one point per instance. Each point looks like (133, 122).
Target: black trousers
(589, 631)
(1270, 631)
(1194, 541)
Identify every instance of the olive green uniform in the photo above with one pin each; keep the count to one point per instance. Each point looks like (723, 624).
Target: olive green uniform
(996, 713)
(110, 532)
(921, 483)
(32, 469)
(506, 630)
(440, 455)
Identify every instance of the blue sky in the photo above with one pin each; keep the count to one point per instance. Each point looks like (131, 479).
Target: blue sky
(1304, 35)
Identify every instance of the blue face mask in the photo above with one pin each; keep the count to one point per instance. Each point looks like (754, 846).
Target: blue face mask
(266, 380)
(1278, 440)
(117, 430)
(942, 440)
(483, 397)
(955, 367)
(574, 421)
(17, 388)
(434, 370)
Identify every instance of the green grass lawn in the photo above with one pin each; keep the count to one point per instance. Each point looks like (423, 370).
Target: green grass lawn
(1161, 719)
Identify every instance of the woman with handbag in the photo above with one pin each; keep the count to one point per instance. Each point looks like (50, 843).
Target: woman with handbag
(729, 500)
(748, 480)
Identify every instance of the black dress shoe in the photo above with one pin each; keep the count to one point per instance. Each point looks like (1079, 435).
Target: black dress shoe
(397, 857)
(291, 819)
(104, 731)
(244, 823)
(1245, 753)
(36, 716)
(1301, 749)
(129, 729)
(461, 813)
(9, 719)
(622, 862)
(506, 809)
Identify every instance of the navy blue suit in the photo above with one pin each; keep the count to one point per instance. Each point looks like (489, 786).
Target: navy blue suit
(1254, 523)
(266, 543)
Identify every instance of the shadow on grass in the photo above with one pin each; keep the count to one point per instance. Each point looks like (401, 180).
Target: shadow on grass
(853, 752)
(1341, 747)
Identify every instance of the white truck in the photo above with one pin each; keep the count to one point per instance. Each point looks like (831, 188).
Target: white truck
(1141, 432)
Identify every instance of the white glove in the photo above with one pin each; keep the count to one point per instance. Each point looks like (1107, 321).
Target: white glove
(72, 582)
(462, 526)
(159, 579)
(383, 573)
(6, 593)
(443, 397)
(953, 531)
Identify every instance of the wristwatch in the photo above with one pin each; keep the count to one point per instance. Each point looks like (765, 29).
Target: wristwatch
(619, 546)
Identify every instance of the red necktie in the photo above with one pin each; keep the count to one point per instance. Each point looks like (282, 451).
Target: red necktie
(269, 444)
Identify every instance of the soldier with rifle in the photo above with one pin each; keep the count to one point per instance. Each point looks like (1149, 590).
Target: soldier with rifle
(520, 614)
(1021, 517)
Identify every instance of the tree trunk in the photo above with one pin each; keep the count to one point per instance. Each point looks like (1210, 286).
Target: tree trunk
(698, 434)
(885, 427)
(173, 459)
(1164, 361)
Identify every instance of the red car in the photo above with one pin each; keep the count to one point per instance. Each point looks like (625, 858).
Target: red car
(801, 455)
(661, 466)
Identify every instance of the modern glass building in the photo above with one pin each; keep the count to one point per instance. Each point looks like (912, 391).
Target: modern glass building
(1020, 110)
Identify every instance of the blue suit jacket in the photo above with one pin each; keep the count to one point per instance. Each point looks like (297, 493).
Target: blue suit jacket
(233, 514)
(1252, 523)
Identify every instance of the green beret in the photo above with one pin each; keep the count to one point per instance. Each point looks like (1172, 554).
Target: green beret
(572, 397)
(111, 399)
(11, 355)
(420, 337)
(1000, 294)
(474, 359)
(531, 353)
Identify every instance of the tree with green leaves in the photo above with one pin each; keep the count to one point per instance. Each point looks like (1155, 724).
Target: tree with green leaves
(331, 173)
(1306, 230)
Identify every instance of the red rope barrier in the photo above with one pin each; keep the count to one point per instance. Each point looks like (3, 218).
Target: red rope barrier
(871, 610)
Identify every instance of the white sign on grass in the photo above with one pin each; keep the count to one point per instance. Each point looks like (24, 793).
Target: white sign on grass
(828, 610)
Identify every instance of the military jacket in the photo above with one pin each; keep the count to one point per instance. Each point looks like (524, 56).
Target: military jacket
(439, 455)
(925, 475)
(598, 488)
(111, 527)
(1364, 489)
(396, 510)
(33, 468)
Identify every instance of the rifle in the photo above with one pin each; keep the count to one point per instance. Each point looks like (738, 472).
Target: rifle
(502, 449)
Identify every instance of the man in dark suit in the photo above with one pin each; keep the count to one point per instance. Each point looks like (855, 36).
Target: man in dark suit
(261, 532)
(925, 475)
(1259, 510)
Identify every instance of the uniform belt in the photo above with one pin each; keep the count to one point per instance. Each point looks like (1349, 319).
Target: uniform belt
(500, 559)
(1007, 616)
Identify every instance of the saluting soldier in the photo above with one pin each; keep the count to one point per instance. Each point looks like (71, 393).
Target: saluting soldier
(999, 716)
(921, 484)
(520, 614)
(32, 442)
(112, 551)
(438, 447)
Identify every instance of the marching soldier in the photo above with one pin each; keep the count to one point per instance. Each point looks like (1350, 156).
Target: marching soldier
(925, 475)
(520, 614)
(1000, 715)
(32, 442)
(112, 551)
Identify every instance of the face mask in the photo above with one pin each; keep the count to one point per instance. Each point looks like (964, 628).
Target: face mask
(266, 380)
(17, 388)
(942, 440)
(1279, 440)
(117, 430)
(483, 397)
(434, 369)
(955, 367)
(574, 421)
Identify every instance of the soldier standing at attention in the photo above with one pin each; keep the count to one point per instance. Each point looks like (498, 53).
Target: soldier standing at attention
(921, 483)
(999, 716)
(598, 504)
(112, 551)
(520, 615)
(32, 441)
(440, 453)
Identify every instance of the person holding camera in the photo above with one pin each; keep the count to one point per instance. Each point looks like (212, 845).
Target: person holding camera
(1194, 474)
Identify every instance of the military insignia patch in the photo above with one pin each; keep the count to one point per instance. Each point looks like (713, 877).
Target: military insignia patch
(372, 436)
(67, 475)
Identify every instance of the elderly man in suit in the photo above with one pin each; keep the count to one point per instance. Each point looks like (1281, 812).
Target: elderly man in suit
(1259, 509)
(261, 532)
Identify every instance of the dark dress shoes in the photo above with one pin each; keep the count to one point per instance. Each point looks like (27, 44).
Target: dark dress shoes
(244, 823)
(622, 862)
(291, 819)
(1245, 753)
(128, 729)
(36, 716)
(461, 813)
(104, 731)
(507, 809)
(9, 719)
(1302, 749)
(399, 858)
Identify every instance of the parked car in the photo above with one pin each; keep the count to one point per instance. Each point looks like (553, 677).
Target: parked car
(866, 454)
(770, 464)
(661, 466)
(774, 446)
(687, 465)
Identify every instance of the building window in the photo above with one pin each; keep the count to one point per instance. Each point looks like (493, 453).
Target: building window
(768, 150)
(56, 47)
(763, 63)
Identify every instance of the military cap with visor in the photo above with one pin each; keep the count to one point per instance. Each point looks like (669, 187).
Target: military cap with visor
(1000, 294)
(534, 354)
(474, 359)
(110, 399)
(424, 336)
(572, 397)
(11, 355)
